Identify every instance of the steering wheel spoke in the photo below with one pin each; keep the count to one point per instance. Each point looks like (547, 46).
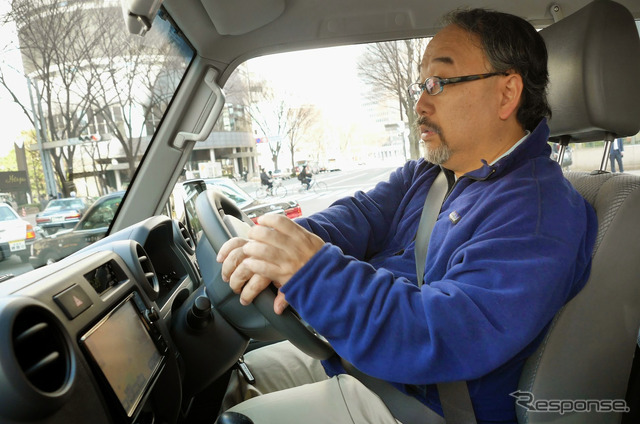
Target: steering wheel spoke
(221, 219)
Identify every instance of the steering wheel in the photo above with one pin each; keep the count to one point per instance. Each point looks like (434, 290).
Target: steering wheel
(221, 219)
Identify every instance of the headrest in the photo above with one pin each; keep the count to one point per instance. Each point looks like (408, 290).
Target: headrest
(594, 71)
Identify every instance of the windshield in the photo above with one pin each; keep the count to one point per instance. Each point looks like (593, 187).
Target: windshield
(84, 99)
(65, 204)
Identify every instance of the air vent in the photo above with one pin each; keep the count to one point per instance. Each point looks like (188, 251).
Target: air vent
(186, 239)
(41, 350)
(152, 286)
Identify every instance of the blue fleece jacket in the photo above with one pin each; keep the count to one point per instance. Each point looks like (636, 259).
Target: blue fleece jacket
(493, 280)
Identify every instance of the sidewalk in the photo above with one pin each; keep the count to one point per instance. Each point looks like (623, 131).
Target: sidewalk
(589, 158)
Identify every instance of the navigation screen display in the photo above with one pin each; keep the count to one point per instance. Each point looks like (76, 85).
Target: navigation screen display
(125, 353)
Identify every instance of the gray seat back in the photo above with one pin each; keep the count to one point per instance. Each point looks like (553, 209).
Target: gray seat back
(594, 66)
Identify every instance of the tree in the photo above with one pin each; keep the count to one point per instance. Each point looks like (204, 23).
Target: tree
(389, 68)
(274, 113)
(300, 120)
(135, 78)
(56, 43)
(34, 165)
(269, 113)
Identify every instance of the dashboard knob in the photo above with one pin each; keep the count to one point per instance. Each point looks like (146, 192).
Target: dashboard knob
(200, 313)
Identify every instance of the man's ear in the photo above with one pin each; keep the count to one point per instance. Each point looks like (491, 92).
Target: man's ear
(510, 95)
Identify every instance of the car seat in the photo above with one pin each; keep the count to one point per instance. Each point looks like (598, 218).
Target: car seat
(594, 93)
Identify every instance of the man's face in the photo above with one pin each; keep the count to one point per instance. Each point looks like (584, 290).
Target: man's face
(456, 124)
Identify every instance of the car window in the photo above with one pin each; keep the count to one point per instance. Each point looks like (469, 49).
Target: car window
(7, 214)
(101, 215)
(83, 99)
(65, 204)
(234, 193)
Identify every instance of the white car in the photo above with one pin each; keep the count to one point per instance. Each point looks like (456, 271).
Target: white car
(16, 234)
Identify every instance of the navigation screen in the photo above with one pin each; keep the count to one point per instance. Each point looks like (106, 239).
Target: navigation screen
(125, 353)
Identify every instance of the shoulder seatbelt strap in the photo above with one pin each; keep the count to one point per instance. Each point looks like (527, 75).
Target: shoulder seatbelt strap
(454, 395)
(430, 211)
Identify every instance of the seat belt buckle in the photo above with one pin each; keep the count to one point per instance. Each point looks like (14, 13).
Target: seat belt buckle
(245, 371)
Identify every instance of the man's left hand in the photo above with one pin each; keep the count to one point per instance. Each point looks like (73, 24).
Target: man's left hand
(277, 249)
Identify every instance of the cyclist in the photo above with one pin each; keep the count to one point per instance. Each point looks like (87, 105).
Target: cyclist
(265, 180)
(305, 177)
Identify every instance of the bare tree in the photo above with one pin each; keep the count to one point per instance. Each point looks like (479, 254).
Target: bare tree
(136, 76)
(389, 68)
(300, 120)
(56, 43)
(273, 113)
(266, 110)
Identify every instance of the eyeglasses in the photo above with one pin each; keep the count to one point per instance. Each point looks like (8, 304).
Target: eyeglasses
(435, 85)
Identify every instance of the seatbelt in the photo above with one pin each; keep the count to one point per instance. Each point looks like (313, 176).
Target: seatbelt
(454, 395)
(430, 211)
(405, 408)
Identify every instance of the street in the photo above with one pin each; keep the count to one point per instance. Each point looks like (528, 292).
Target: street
(339, 184)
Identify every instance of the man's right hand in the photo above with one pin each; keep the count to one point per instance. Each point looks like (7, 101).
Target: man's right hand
(242, 280)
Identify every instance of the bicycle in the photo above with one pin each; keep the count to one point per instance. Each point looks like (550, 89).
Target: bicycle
(315, 185)
(277, 190)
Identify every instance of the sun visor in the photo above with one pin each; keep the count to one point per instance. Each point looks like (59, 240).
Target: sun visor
(229, 18)
(594, 67)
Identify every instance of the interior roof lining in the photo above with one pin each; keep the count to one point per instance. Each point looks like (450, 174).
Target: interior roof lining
(326, 28)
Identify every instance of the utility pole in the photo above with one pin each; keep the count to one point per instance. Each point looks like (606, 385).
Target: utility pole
(49, 179)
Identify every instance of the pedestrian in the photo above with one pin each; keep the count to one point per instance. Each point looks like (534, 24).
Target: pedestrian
(616, 152)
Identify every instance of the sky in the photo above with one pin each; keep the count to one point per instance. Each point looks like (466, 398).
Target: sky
(315, 76)
(12, 119)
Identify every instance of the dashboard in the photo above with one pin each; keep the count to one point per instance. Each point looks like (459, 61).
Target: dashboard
(121, 332)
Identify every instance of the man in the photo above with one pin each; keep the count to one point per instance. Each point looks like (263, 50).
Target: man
(265, 180)
(305, 177)
(511, 246)
(615, 154)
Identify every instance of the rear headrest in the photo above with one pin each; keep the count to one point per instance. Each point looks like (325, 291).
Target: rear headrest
(594, 70)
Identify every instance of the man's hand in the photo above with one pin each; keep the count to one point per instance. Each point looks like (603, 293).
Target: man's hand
(276, 249)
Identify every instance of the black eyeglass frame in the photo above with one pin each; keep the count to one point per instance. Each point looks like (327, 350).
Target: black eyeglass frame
(416, 89)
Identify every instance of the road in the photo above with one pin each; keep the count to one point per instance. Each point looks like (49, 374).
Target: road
(339, 184)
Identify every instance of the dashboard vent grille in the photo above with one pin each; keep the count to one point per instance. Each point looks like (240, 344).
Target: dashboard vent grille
(41, 350)
(187, 236)
(147, 266)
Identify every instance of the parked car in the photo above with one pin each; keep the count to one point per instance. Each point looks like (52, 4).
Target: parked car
(62, 213)
(90, 228)
(16, 234)
(251, 206)
(567, 158)
(282, 174)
